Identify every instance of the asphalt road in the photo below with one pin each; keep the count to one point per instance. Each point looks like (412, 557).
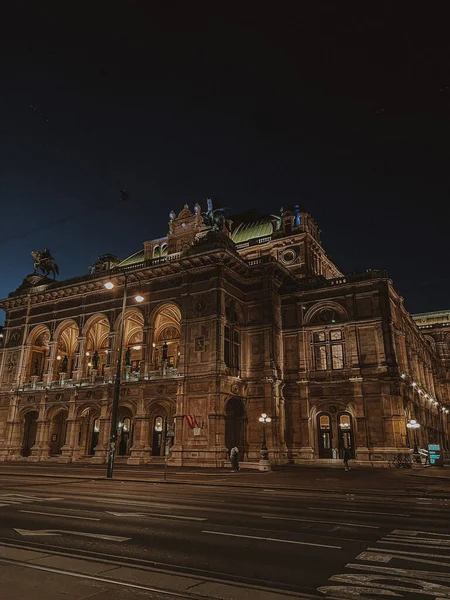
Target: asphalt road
(261, 540)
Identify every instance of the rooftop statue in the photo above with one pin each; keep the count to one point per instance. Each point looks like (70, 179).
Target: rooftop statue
(215, 217)
(45, 262)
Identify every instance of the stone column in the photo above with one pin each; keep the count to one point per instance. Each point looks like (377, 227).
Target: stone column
(49, 368)
(41, 449)
(110, 364)
(101, 450)
(147, 354)
(11, 441)
(71, 432)
(360, 427)
(140, 451)
(22, 370)
(306, 451)
(77, 372)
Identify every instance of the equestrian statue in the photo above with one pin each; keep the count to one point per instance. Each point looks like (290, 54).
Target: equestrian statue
(45, 262)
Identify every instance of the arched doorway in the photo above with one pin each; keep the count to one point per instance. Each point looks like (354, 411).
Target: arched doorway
(335, 434)
(325, 432)
(345, 433)
(124, 432)
(58, 431)
(235, 422)
(29, 433)
(158, 435)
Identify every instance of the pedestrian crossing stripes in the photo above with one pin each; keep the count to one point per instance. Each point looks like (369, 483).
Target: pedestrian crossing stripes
(404, 569)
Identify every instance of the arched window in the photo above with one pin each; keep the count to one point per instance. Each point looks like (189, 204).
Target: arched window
(163, 249)
(156, 252)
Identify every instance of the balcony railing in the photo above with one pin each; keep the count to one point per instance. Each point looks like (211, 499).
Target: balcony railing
(168, 373)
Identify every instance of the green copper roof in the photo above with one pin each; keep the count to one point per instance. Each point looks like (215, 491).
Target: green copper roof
(249, 231)
(133, 259)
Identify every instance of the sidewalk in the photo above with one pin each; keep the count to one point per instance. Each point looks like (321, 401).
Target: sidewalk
(359, 480)
(32, 575)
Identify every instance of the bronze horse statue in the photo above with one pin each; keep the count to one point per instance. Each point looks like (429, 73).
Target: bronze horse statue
(45, 262)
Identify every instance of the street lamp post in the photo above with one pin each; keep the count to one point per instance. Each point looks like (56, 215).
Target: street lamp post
(414, 425)
(264, 463)
(109, 285)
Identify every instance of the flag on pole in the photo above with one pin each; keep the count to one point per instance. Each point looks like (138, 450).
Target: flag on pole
(191, 421)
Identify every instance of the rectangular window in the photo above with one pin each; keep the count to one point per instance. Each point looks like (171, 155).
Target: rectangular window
(336, 335)
(319, 336)
(227, 347)
(236, 349)
(337, 356)
(320, 353)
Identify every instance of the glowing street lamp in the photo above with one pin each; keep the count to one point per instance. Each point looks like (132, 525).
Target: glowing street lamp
(414, 425)
(264, 464)
(109, 285)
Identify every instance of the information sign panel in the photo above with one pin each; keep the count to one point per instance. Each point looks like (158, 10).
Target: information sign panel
(435, 455)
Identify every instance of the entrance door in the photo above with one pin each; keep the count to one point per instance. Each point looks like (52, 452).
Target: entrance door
(157, 439)
(29, 433)
(94, 437)
(125, 437)
(58, 433)
(325, 436)
(235, 425)
(345, 435)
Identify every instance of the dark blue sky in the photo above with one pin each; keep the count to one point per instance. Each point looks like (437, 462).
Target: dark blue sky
(345, 112)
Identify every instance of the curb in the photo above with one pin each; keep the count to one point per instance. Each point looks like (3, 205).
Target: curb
(234, 485)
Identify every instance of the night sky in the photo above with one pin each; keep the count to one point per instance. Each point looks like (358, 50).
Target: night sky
(344, 111)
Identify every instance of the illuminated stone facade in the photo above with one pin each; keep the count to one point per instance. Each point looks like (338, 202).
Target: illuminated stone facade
(238, 318)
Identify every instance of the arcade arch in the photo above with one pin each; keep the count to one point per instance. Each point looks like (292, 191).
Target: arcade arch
(66, 337)
(97, 345)
(133, 339)
(166, 336)
(39, 348)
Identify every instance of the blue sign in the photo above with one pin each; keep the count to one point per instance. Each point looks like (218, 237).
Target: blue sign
(435, 455)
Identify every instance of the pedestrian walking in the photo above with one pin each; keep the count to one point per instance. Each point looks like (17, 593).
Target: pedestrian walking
(234, 457)
(347, 457)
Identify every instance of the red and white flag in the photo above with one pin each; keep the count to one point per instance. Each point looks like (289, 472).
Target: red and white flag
(191, 421)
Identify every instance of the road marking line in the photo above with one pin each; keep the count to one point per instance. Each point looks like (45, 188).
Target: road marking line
(317, 521)
(102, 536)
(35, 512)
(121, 502)
(267, 539)
(179, 517)
(365, 512)
(118, 514)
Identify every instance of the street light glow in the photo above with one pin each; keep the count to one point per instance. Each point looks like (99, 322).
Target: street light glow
(109, 285)
(139, 298)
